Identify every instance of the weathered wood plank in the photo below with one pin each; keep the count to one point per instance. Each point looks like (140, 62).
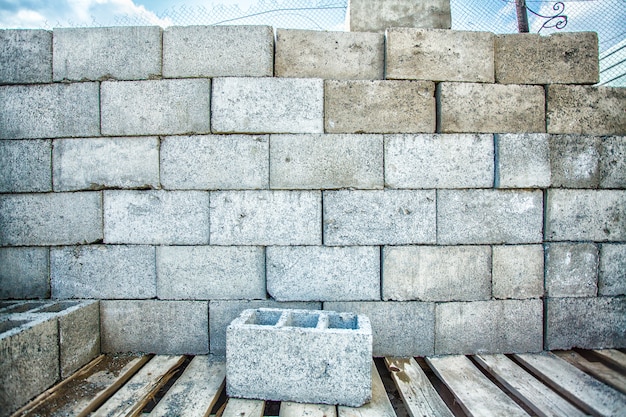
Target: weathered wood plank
(379, 406)
(239, 407)
(290, 409)
(596, 369)
(612, 356)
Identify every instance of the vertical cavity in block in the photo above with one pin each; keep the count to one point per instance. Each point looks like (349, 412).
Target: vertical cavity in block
(25, 166)
(613, 162)
(517, 271)
(575, 161)
(571, 270)
(24, 273)
(376, 15)
(523, 160)
(79, 333)
(612, 274)
(25, 56)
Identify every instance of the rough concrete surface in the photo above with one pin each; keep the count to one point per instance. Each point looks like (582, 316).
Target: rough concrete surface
(523, 160)
(613, 162)
(612, 275)
(575, 161)
(79, 337)
(376, 15)
(571, 270)
(517, 271)
(24, 273)
(25, 56)
(25, 166)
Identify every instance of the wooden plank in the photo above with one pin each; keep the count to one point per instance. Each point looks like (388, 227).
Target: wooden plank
(419, 396)
(239, 407)
(475, 393)
(612, 356)
(595, 368)
(379, 406)
(290, 409)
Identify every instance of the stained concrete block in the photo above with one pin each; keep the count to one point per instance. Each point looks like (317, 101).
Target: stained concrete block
(379, 106)
(326, 161)
(266, 218)
(329, 55)
(489, 216)
(376, 15)
(517, 271)
(319, 273)
(575, 161)
(218, 51)
(267, 105)
(437, 273)
(24, 273)
(166, 107)
(571, 270)
(156, 217)
(392, 217)
(25, 56)
(612, 274)
(25, 166)
(439, 161)
(210, 272)
(613, 162)
(491, 108)
(439, 55)
(523, 160)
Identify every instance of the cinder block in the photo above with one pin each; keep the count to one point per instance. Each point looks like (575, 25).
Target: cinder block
(215, 162)
(376, 15)
(575, 161)
(24, 273)
(392, 217)
(517, 271)
(561, 58)
(98, 163)
(333, 353)
(266, 218)
(439, 161)
(379, 106)
(50, 219)
(218, 51)
(329, 55)
(25, 56)
(499, 326)
(489, 216)
(267, 105)
(25, 166)
(612, 276)
(210, 272)
(437, 273)
(166, 107)
(613, 162)
(326, 161)
(523, 160)
(439, 55)
(122, 53)
(491, 108)
(318, 273)
(156, 217)
(571, 270)
(101, 271)
(49, 110)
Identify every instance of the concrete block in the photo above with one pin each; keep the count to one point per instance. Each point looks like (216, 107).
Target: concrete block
(575, 161)
(571, 270)
(215, 162)
(561, 58)
(523, 160)
(437, 273)
(218, 51)
(489, 216)
(439, 161)
(50, 219)
(376, 15)
(266, 218)
(613, 162)
(49, 110)
(392, 217)
(98, 163)
(121, 53)
(166, 107)
(326, 161)
(103, 271)
(267, 105)
(439, 55)
(24, 273)
(25, 56)
(612, 275)
(596, 215)
(494, 108)
(586, 110)
(156, 217)
(499, 326)
(379, 106)
(329, 55)
(25, 166)
(517, 271)
(154, 326)
(319, 273)
(333, 353)
(210, 272)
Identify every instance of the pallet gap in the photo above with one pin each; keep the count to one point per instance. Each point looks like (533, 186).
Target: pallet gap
(156, 398)
(442, 389)
(390, 388)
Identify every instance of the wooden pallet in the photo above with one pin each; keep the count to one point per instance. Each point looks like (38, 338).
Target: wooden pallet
(573, 383)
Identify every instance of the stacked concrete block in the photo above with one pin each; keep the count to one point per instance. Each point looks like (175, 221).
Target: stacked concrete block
(79, 334)
(612, 274)
(24, 273)
(25, 56)
(517, 271)
(575, 161)
(613, 162)
(376, 15)
(523, 161)
(25, 166)
(571, 270)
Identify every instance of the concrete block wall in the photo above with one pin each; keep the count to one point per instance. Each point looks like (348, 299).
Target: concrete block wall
(464, 197)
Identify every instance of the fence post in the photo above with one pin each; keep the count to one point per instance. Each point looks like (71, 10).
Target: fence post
(522, 16)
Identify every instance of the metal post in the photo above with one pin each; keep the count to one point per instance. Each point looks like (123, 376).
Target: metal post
(522, 16)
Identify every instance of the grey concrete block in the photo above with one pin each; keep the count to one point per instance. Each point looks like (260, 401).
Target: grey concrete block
(218, 51)
(379, 106)
(613, 162)
(571, 270)
(122, 53)
(103, 271)
(575, 161)
(98, 163)
(79, 336)
(439, 55)
(326, 161)
(523, 161)
(215, 162)
(437, 273)
(517, 271)
(318, 273)
(267, 105)
(392, 217)
(439, 161)
(49, 110)
(24, 273)
(50, 219)
(156, 217)
(494, 108)
(266, 218)
(210, 272)
(25, 56)
(154, 326)
(489, 216)
(166, 107)
(376, 16)
(25, 166)
(500, 326)
(612, 274)
(329, 55)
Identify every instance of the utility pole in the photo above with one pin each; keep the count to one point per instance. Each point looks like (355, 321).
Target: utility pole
(522, 16)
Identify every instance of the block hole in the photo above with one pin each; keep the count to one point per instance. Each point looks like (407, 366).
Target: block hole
(302, 320)
(11, 324)
(342, 321)
(23, 308)
(57, 307)
(264, 318)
